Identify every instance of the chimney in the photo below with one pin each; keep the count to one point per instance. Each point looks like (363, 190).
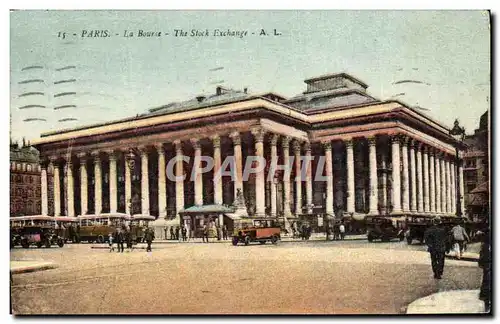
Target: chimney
(245, 90)
(24, 142)
(200, 98)
(218, 91)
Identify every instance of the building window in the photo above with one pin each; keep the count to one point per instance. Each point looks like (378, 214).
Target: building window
(29, 167)
(19, 179)
(19, 167)
(31, 179)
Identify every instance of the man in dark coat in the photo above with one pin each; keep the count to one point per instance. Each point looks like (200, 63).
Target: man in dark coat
(149, 236)
(119, 240)
(128, 238)
(436, 237)
(177, 230)
(172, 234)
(485, 263)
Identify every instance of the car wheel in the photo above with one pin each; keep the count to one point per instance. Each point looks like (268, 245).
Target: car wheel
(274, 240)
(47, 244)
(100, 239)
(235, 241)
(409, 240)
(370, 238)
(39, 244)
(262, 242)
(25, 244)
(247, 240)
(60, 243)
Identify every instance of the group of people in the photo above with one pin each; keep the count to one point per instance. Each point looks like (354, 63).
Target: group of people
(183, 233)
(123, 235)
(439, 240)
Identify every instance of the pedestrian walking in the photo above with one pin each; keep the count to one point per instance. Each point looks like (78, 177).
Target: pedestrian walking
(110, 242)
(224, 232)
(172, 233)
(177, 232)
(435, 237)
(459, 236)
(149, 236)
(485, 263)
(128, 238)
(205, 233)
(184, 233)
(166, 232)
(342, 231)
(119, 240)
(336, 232)
(219, 232)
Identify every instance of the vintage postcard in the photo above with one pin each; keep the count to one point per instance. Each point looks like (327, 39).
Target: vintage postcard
(249, 162)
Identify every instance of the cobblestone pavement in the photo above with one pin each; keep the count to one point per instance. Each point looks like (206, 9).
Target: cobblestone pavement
(350, 277)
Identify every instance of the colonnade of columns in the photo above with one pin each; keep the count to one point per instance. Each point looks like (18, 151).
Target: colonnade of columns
(423, 179)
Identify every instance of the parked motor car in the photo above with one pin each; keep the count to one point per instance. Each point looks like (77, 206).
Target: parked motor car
(383, 228)
(262, 231)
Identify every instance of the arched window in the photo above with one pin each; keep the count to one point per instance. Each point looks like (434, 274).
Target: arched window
(19, 178)
(29, 207)
(31, 179)
(19, 167)
(30, 193)
(29, 167)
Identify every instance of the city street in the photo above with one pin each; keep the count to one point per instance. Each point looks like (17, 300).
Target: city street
(317, 277)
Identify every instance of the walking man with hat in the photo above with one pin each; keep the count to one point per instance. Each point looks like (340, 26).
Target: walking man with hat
(435, 237)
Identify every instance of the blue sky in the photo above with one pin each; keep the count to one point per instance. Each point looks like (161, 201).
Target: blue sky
(117, 77)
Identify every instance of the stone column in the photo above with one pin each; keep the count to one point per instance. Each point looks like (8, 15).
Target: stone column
(217, 165)
(350, 176)
(454, 188)
(298, 179)
(461, 186)
(437, 165)
(329, 179)
(432, 189)
(70, 194)
(449, 188)
(45, 190)
(443, 184)
(113, 183)
(383, 180)
(198, 181)
(162, 182)
(97, 183)
(425, 158)
(309, 188)
(274, 161)
(128, 183)
(405, 183)
(83, 183)
(57, 186)
(372, 148)
(238, 159)
(396, 176)
(144, 181)
(413, 173)
(285, 143)
(260, 190)
(179, 181)
(420, 179)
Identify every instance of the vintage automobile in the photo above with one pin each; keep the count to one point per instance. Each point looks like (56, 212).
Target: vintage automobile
(96, 228)
(383, 228)
(16, 224)
(138, 224)
(262, 231)
(416, 226)
(38, 230)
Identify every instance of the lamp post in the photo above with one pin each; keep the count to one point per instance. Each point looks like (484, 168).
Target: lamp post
(458, 133)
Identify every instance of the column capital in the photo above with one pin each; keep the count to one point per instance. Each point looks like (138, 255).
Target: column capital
(417, 145)
(95, 154)
(396, 139)
(405, 140)
(236, 138)
(327, 145)
(285, 142)
(215, 140)
(178, 146)
(258, 134)
(196, 143)
(53, 159)
(274, 139)
(372, 140)
(349, 143)
(143, 149)
(160, 148)
(296, 146)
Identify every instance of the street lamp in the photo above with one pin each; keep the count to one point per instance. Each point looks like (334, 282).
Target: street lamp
(458, 133)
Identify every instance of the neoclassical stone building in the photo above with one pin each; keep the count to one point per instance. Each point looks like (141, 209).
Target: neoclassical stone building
(382, 157)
